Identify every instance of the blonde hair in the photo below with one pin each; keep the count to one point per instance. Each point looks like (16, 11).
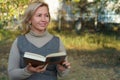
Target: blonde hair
(29, 13)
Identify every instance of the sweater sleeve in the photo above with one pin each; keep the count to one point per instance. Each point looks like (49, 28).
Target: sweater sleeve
(62, 49)
(14, 71)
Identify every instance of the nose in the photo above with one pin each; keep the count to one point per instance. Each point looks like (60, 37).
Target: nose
(43, 18)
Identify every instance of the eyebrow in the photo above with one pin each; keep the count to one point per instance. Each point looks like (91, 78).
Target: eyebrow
(41, 13)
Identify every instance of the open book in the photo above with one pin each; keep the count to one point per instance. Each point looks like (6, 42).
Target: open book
(37, 59)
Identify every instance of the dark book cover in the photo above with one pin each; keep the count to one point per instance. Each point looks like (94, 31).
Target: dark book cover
(33, 62)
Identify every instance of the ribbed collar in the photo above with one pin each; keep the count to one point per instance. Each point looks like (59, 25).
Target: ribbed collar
(38, 35)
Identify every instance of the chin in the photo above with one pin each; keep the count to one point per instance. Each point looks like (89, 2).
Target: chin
(42, 29)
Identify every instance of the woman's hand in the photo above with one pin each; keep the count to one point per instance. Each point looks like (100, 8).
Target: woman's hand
(65, 65)
(37, 69)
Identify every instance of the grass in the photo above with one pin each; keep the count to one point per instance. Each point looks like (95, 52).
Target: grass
(93, 56)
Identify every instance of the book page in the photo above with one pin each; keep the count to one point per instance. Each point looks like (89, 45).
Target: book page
(34, 56)
(56, 54)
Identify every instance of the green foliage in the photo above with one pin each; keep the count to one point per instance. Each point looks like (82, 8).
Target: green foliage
(1, 24)
(12, 8)
(7, 36)
(76, 0)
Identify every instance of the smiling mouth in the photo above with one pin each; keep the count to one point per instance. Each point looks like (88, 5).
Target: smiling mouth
(43, 24)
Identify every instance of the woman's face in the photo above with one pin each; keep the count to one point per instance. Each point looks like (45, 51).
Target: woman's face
(40, 19)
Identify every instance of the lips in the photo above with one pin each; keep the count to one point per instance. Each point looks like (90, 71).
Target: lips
(43, 24)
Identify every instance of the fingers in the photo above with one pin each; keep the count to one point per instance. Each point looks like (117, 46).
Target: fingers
(40, 68)
(30, 68)
(66, 64)
(29, 65)
(45, 66)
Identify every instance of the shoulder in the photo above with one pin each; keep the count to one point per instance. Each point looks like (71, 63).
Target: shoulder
(56, 38)
(20, 37)
(15, 42)
(52, 36)
(16, 39)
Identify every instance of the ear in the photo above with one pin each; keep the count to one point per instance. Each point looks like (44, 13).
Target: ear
(30, 22)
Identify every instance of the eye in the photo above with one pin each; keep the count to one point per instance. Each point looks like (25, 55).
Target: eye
(39, 15)
(47, 15)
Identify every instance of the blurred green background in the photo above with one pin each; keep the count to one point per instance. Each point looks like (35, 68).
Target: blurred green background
(93, 54)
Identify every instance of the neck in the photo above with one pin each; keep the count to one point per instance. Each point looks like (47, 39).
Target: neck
(42, 33)
(38, 32)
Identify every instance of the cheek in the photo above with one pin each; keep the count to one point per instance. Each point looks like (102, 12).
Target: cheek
(35, 21)
(48, 20)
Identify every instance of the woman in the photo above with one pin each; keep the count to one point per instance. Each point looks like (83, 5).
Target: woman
(36, 39)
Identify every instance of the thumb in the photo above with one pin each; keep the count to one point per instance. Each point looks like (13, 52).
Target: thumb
(45, 66)
(29, 65)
